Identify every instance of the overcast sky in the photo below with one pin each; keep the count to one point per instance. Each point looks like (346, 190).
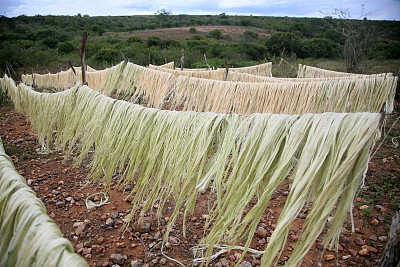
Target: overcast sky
(377, 9)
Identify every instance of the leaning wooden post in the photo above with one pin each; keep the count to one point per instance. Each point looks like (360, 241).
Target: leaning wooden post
(123, 56)
(82, 52)
(283, 51)
(182, 59)
(13, 71)
(208, 66)
(227, 70)
(8, 70)
(72, 67)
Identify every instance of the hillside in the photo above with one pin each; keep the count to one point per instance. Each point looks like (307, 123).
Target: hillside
(30, 42)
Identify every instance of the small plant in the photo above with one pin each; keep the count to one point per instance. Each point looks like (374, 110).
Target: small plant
(193, 30)
(367, 212)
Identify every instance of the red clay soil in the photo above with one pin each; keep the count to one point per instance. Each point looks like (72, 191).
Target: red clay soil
(183, 33)
(97, 234)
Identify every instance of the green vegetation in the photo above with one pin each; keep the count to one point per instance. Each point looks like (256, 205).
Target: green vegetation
(28, 42)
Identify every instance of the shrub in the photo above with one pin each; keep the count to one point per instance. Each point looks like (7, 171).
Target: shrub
(216, 34)
(66, 47)
(134, 39)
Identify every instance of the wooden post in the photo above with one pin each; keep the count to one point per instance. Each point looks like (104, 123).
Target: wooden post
(182, 59)
(227, 70)
(8, 70)
(391, 256)
(208, 66)
(33, 78)
(72, 67)
(123, 56)
(82, 52)
(13, 71)
(60, 67)
(283, 51)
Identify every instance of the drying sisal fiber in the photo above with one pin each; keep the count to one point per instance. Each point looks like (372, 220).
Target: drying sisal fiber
(152, 85)
(177, 154)
(313, 72)
(263, 70)
(204, 74)
(59, 81)
(349, 95)
(29, 237)
(245, 95)
(169, 65)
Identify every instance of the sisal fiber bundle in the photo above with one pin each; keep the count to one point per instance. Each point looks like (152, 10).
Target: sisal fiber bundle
(88, 68)
(313, 72)
(29, 237)
(348, 95)
(253, 94)
(263, 70)
(59, 81)
(204, 74)
(176, 154)
(169, 65)
(140, 82)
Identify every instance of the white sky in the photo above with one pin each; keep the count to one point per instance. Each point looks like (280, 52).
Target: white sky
(377, 9)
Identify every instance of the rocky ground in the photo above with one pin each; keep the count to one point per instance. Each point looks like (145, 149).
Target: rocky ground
(99, 236)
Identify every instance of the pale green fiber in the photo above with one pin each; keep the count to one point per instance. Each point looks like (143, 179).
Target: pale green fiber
(245, 94)
(243, 159)
(29, 237)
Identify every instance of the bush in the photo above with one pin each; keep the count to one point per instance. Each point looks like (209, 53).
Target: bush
(134, 39)
(320, 48)
(192, 30)
(153, 41)
(66, 47)
(216, 34)
(277, 41)
(106, 55)
(250, 34)
(50, 42)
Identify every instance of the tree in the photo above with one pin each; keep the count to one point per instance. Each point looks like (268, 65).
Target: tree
(162, 15)
(66, 47)
(153, 41)
(320, 48)
(216, 34)
(277, 41)
(358, 33)
(134, 39)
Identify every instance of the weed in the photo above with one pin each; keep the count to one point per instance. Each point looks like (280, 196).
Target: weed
(367, 212)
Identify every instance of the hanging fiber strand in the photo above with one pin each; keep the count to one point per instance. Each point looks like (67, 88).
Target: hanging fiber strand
(263, 70)
(347, 95)
(134, 82)
(169, 65)
(176, 154)
(313, 72)
(29, 237)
